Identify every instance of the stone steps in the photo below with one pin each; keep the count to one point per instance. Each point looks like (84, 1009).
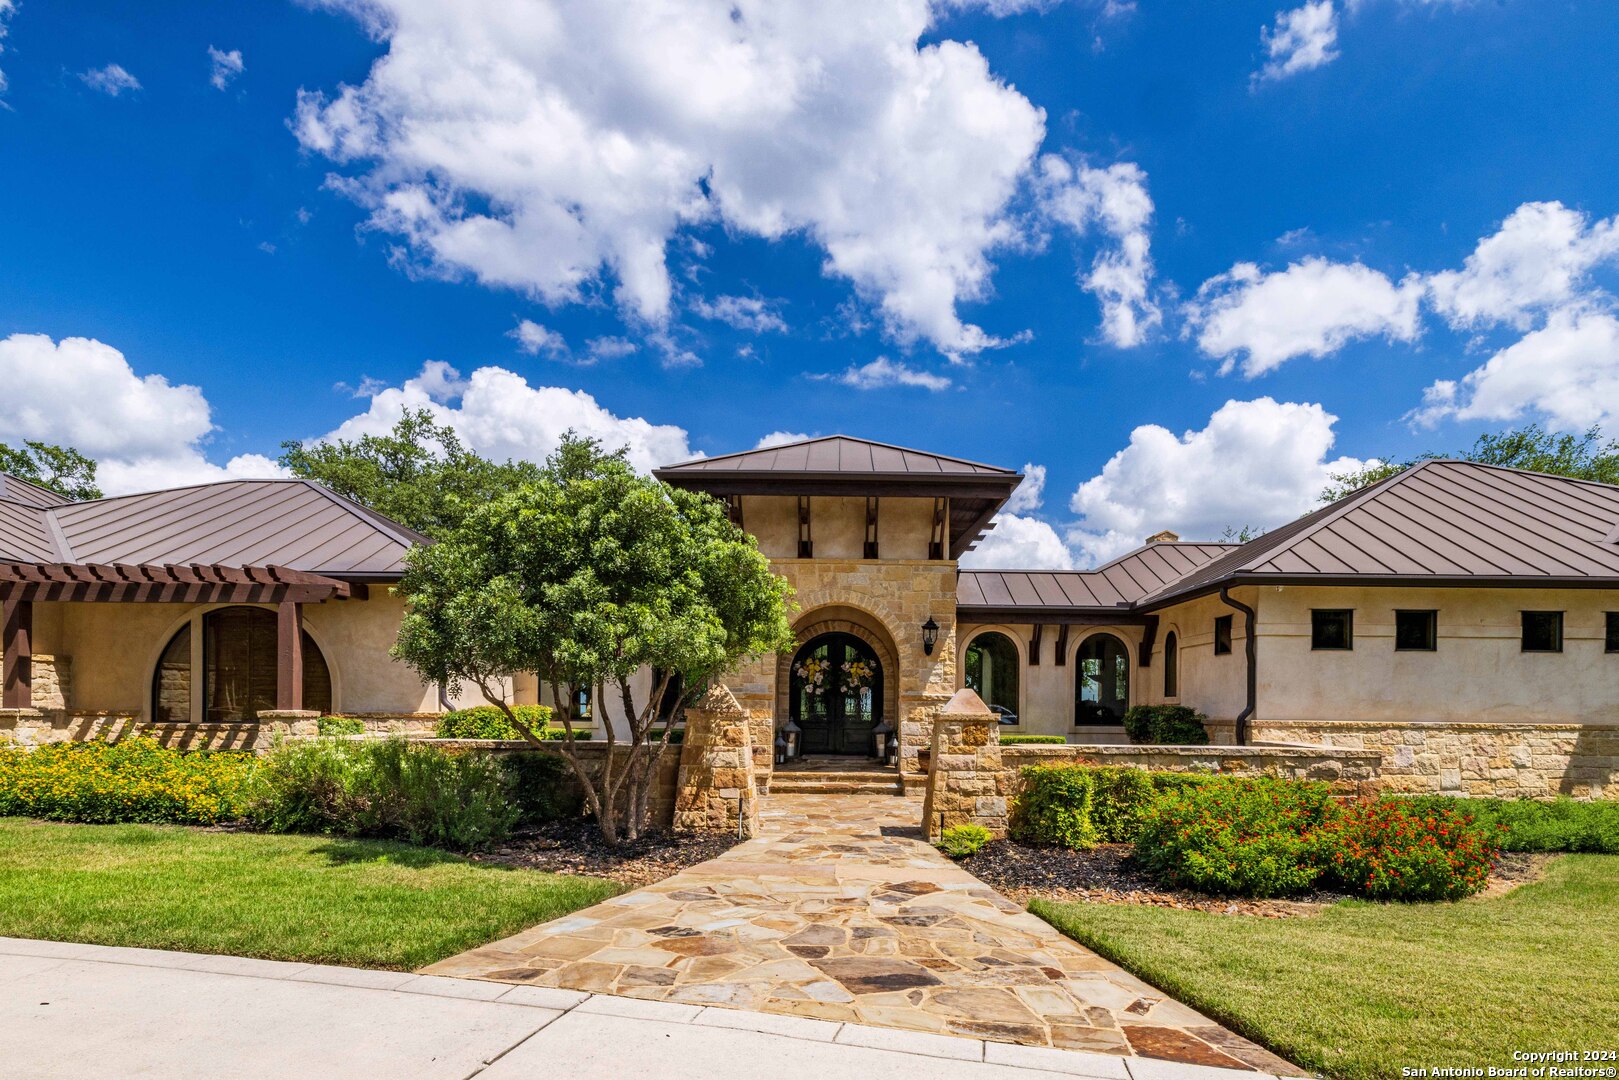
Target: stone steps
(869, 782)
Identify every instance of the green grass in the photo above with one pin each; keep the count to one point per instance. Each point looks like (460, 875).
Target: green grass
(1362, 989)
(356, 902)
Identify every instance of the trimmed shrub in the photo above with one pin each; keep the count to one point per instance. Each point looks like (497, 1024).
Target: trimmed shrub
(340, 725)
(1166, 725)
(1246, 837)
(1120, 796)
(1054, 807)
(1387, 851)
(542, 787)
(488, 722)
(392, 787)
(1532, 825)
(133, 780)
(1031, 740)
(959, 841)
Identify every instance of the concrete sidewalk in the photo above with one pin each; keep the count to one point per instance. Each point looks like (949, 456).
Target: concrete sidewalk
(91, 1011)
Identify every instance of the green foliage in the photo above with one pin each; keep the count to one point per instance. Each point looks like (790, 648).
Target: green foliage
(1243, 837)
(61, 469)
(1054, 807)
(135, 779)
(1165, 725)
(959, 841)
(340, 725)
(1120, 796)
(1583, 457)
(541, 786)
(583, 578)
(391, 787)
(420, 474)
(1532, 825)
(1032, 740)
(490, 722)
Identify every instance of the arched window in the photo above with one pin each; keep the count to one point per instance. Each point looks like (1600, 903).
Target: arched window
(1172, 665)
(1101, 681)
(239, 659)
(991, 665)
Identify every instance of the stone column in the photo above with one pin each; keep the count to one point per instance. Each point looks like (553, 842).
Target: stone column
(967, 784)
(715, 790)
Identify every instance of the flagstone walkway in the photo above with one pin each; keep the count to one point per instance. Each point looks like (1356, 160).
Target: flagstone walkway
(839, 911)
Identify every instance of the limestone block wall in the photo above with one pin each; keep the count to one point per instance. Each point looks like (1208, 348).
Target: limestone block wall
(52, 681)
(1500, 759)
(967, 782)
(716, 790)
(1350, 771)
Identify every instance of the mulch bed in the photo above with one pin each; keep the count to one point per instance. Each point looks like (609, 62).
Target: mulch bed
(575, 846)
(1106, 875)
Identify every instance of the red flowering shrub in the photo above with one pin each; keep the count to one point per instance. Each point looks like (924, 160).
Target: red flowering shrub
(1388, 852)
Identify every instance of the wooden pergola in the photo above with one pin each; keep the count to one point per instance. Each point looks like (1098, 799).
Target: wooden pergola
(23, 584)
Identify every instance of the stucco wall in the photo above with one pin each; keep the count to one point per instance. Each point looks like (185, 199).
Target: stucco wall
(838, 526)
(113, 650)
(1046, 689)
(1213, 685)
(1479, 673)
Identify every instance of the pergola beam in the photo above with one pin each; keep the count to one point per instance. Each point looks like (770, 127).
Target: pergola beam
(148, 583)
(17, 668)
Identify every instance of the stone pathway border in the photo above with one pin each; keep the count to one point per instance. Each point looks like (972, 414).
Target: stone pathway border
(839, 912)
(88, 1010)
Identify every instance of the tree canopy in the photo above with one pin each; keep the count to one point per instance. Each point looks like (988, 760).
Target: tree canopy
(585, 577)
(1584, 457)
(420, 474)
(61, 469)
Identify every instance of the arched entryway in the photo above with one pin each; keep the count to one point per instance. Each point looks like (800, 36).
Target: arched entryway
(835, 694)
(1101, 681)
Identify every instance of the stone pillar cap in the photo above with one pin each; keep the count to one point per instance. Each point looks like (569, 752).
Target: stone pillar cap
(965, 702)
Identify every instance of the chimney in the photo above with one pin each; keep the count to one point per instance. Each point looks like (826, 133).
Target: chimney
(1165, 537)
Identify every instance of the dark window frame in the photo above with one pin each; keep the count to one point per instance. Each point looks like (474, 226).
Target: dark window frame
(1172, 665)
(1523, 632)
(1432, 616)
(1317, 614)
(1222, 634)
(1611, 635)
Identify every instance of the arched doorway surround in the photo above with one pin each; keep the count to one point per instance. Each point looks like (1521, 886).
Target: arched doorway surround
(841, 619)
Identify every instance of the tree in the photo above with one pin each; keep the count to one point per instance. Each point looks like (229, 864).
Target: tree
(1234, 535)
(420, 474)
(583, 578)
(61, 469)
(1582, 457)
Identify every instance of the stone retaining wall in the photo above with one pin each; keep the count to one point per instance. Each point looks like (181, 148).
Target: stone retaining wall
(1351, 772)
(1500, 759)
(37, 727)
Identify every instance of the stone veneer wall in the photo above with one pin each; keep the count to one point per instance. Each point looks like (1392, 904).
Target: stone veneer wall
(967, 780)
(1350, 771)
(716, 789)
(1504, 760)
(898, 595)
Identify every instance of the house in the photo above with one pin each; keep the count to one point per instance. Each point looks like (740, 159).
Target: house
(1461, 619)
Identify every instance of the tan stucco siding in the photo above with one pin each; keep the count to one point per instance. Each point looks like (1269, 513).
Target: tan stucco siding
(113, 649)
(838, 526)
(1046, 689)
(1479, 671)
(1215, 686)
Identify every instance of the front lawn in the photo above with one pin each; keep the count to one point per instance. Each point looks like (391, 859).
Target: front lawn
(1362, 989)
(338, 901)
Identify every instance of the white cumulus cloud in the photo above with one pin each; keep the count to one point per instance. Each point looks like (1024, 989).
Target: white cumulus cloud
(1301, 39)
(1031, 492)
(224, 66)
(545, 146)
(1256, 463)
(144, 431)
(1114, 200)
(537, 340)
(1020, 543)
(750, 313)
(111, 80)
(1312, 308)
(779, 438)
(1539, 258)
(883, 372)
(501, 416)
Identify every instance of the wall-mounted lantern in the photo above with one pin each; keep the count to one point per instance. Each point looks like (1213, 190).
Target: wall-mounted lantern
(930, 636)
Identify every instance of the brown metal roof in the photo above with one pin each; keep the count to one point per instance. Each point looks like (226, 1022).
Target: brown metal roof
(296, 524)
(840, 455)
(18, 490)
(1441, 522)
(997, 593)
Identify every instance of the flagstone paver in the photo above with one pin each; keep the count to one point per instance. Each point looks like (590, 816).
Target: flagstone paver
(839, 911)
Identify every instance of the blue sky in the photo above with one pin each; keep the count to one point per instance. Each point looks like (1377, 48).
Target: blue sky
(1185, 259)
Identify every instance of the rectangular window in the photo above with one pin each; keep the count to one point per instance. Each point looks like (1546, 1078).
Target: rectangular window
(1332, 628)
(1222, 635)
(1416, 631)
(1543, 631)
(1613, 631)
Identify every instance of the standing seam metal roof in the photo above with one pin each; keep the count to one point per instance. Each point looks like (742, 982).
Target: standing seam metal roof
(840, 454)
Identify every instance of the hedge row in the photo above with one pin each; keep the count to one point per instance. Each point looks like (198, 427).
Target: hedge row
(465, 801)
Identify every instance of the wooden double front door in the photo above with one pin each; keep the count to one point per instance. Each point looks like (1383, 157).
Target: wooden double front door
(836, 695)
